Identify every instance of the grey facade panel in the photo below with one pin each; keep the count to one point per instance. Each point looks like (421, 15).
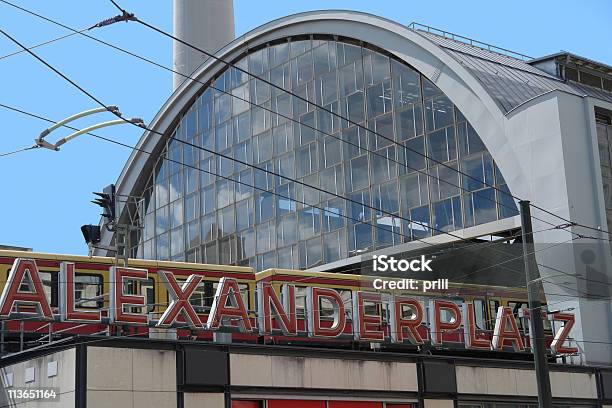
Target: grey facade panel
(204, 368)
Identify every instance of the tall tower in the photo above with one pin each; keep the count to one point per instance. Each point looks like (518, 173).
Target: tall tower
(207, 24)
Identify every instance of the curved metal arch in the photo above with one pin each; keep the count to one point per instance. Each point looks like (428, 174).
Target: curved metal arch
(406, 44)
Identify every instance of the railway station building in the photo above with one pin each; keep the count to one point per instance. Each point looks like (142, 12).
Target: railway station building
(354, 135)
(303, 148)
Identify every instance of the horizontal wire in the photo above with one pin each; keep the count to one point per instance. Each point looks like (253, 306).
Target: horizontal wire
(230, 179)
(91, 96)
(45, 43)
(478, 193)
(18, 151)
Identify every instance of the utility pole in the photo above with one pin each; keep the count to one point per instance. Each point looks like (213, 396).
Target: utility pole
(536, 327)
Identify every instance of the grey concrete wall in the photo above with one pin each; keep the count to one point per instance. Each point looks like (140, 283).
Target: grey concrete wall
(45, 376)
(520, 382)
(322, 373)
(130, 378)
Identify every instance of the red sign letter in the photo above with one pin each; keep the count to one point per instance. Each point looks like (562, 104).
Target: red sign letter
(438, 327)
(314, 296)
(119, 299)
(561, 334)
(68, 310)
(506, 329)
(399, 323)
(228, 291)
(366, 326)
(180, 300)
(469, 330)
(24, 271)
(270, 307)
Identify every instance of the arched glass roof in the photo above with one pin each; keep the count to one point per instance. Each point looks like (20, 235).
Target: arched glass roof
(266, 221)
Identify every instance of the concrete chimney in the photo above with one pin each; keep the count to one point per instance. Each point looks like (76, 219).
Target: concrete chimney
(207, 24)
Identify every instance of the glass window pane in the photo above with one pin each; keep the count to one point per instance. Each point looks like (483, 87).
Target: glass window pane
(429, 89)
(193, 234)
(262, 147)
(226, 220)
(333, 216)
(207, 199)
(388, 231)
(438, 112)
(419, 225)
(325, 58)
(282, 137)
(176, 213)
(385, 198)
(176, 241)
(484, 206)
(304, 68)
(376, 66)
(287, 230)
(413, 191)
(162, 249)
(334, 247)
(246, 244)
(161, 220)
(285, 198)
(359, 173)
(406, 84)
(309, 222)
(313, 252)
(469, 141)
(240, 99)
(263, 177)
(379, 99)
(243, 184)
(358, 206)
(353, 109)
(410, 122)
(351, 78)
(244, 214)
(209, 227)
(288, 257)
(265, 206)
(383, 165)
(447, 215)
(355, 141)
(360, 238)
(306, 160)
(265, 237)
(382, 132)
(279, 53)
(441, 145)
(225, 193)
(326, 88)
(445, 181)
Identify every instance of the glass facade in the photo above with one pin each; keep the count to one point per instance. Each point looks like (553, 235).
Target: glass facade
(264, 221)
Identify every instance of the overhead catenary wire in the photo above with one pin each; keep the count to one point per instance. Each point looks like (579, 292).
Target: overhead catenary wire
(23, 149)
(446, 251)
(327, 110)
(45, 43)
(130, 17)
(553, 214)
(276, 174)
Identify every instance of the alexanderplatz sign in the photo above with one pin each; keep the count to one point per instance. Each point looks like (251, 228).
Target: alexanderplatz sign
(276, 313)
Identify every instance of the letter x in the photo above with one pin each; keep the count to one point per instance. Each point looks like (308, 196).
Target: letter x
(180, 300)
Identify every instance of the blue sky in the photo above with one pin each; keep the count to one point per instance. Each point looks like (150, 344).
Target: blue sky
(45, 195)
